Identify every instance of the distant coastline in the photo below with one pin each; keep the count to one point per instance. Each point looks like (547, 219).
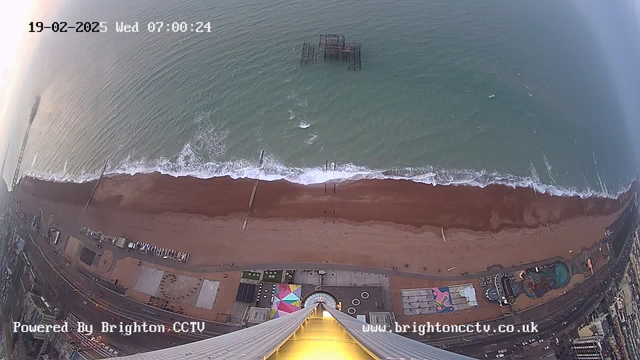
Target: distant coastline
(4, 191)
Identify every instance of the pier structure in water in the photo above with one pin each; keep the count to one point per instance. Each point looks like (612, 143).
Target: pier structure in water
(333, 46)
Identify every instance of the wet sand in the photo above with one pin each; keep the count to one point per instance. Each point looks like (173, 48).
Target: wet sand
(380, 223)
(397, 201)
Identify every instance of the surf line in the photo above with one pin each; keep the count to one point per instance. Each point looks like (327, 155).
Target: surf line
(253, 192)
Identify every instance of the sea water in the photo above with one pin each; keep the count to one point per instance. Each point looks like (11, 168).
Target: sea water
(450, 92)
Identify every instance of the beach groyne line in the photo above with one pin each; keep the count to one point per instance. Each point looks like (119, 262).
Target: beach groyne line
(253, 191)
(104, 168)
(251, 199)
(253, 195)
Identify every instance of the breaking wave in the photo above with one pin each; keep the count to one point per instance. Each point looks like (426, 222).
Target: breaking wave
(549, 168)
(312, 138)
(189, 164)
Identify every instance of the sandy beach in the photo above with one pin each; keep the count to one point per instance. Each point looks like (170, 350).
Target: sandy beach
(379, 223)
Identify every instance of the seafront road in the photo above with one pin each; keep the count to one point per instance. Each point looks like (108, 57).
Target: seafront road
(71, 290)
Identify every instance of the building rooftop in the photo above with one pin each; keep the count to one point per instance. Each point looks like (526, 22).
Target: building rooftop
(40, 304)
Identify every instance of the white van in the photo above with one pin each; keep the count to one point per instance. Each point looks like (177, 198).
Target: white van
(55, 235)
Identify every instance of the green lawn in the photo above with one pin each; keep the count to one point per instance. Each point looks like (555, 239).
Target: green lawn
(251, 275)
(272, 276)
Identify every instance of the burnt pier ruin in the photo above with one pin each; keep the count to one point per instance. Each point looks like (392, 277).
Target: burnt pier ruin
(333, 46)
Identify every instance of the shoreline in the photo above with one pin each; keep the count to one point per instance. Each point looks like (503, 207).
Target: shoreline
(348, 173)
(382, 224)
(399, 202)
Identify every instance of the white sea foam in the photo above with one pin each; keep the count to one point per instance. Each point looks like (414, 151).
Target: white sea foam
(549, 168)
(292, 115)
(210, 143)
(188, 164)
(208, 139)
(312, 138)
(292, 95)
(603, 186)
(534, 173)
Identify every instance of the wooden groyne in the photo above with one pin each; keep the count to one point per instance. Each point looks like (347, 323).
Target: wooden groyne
(104, 168)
